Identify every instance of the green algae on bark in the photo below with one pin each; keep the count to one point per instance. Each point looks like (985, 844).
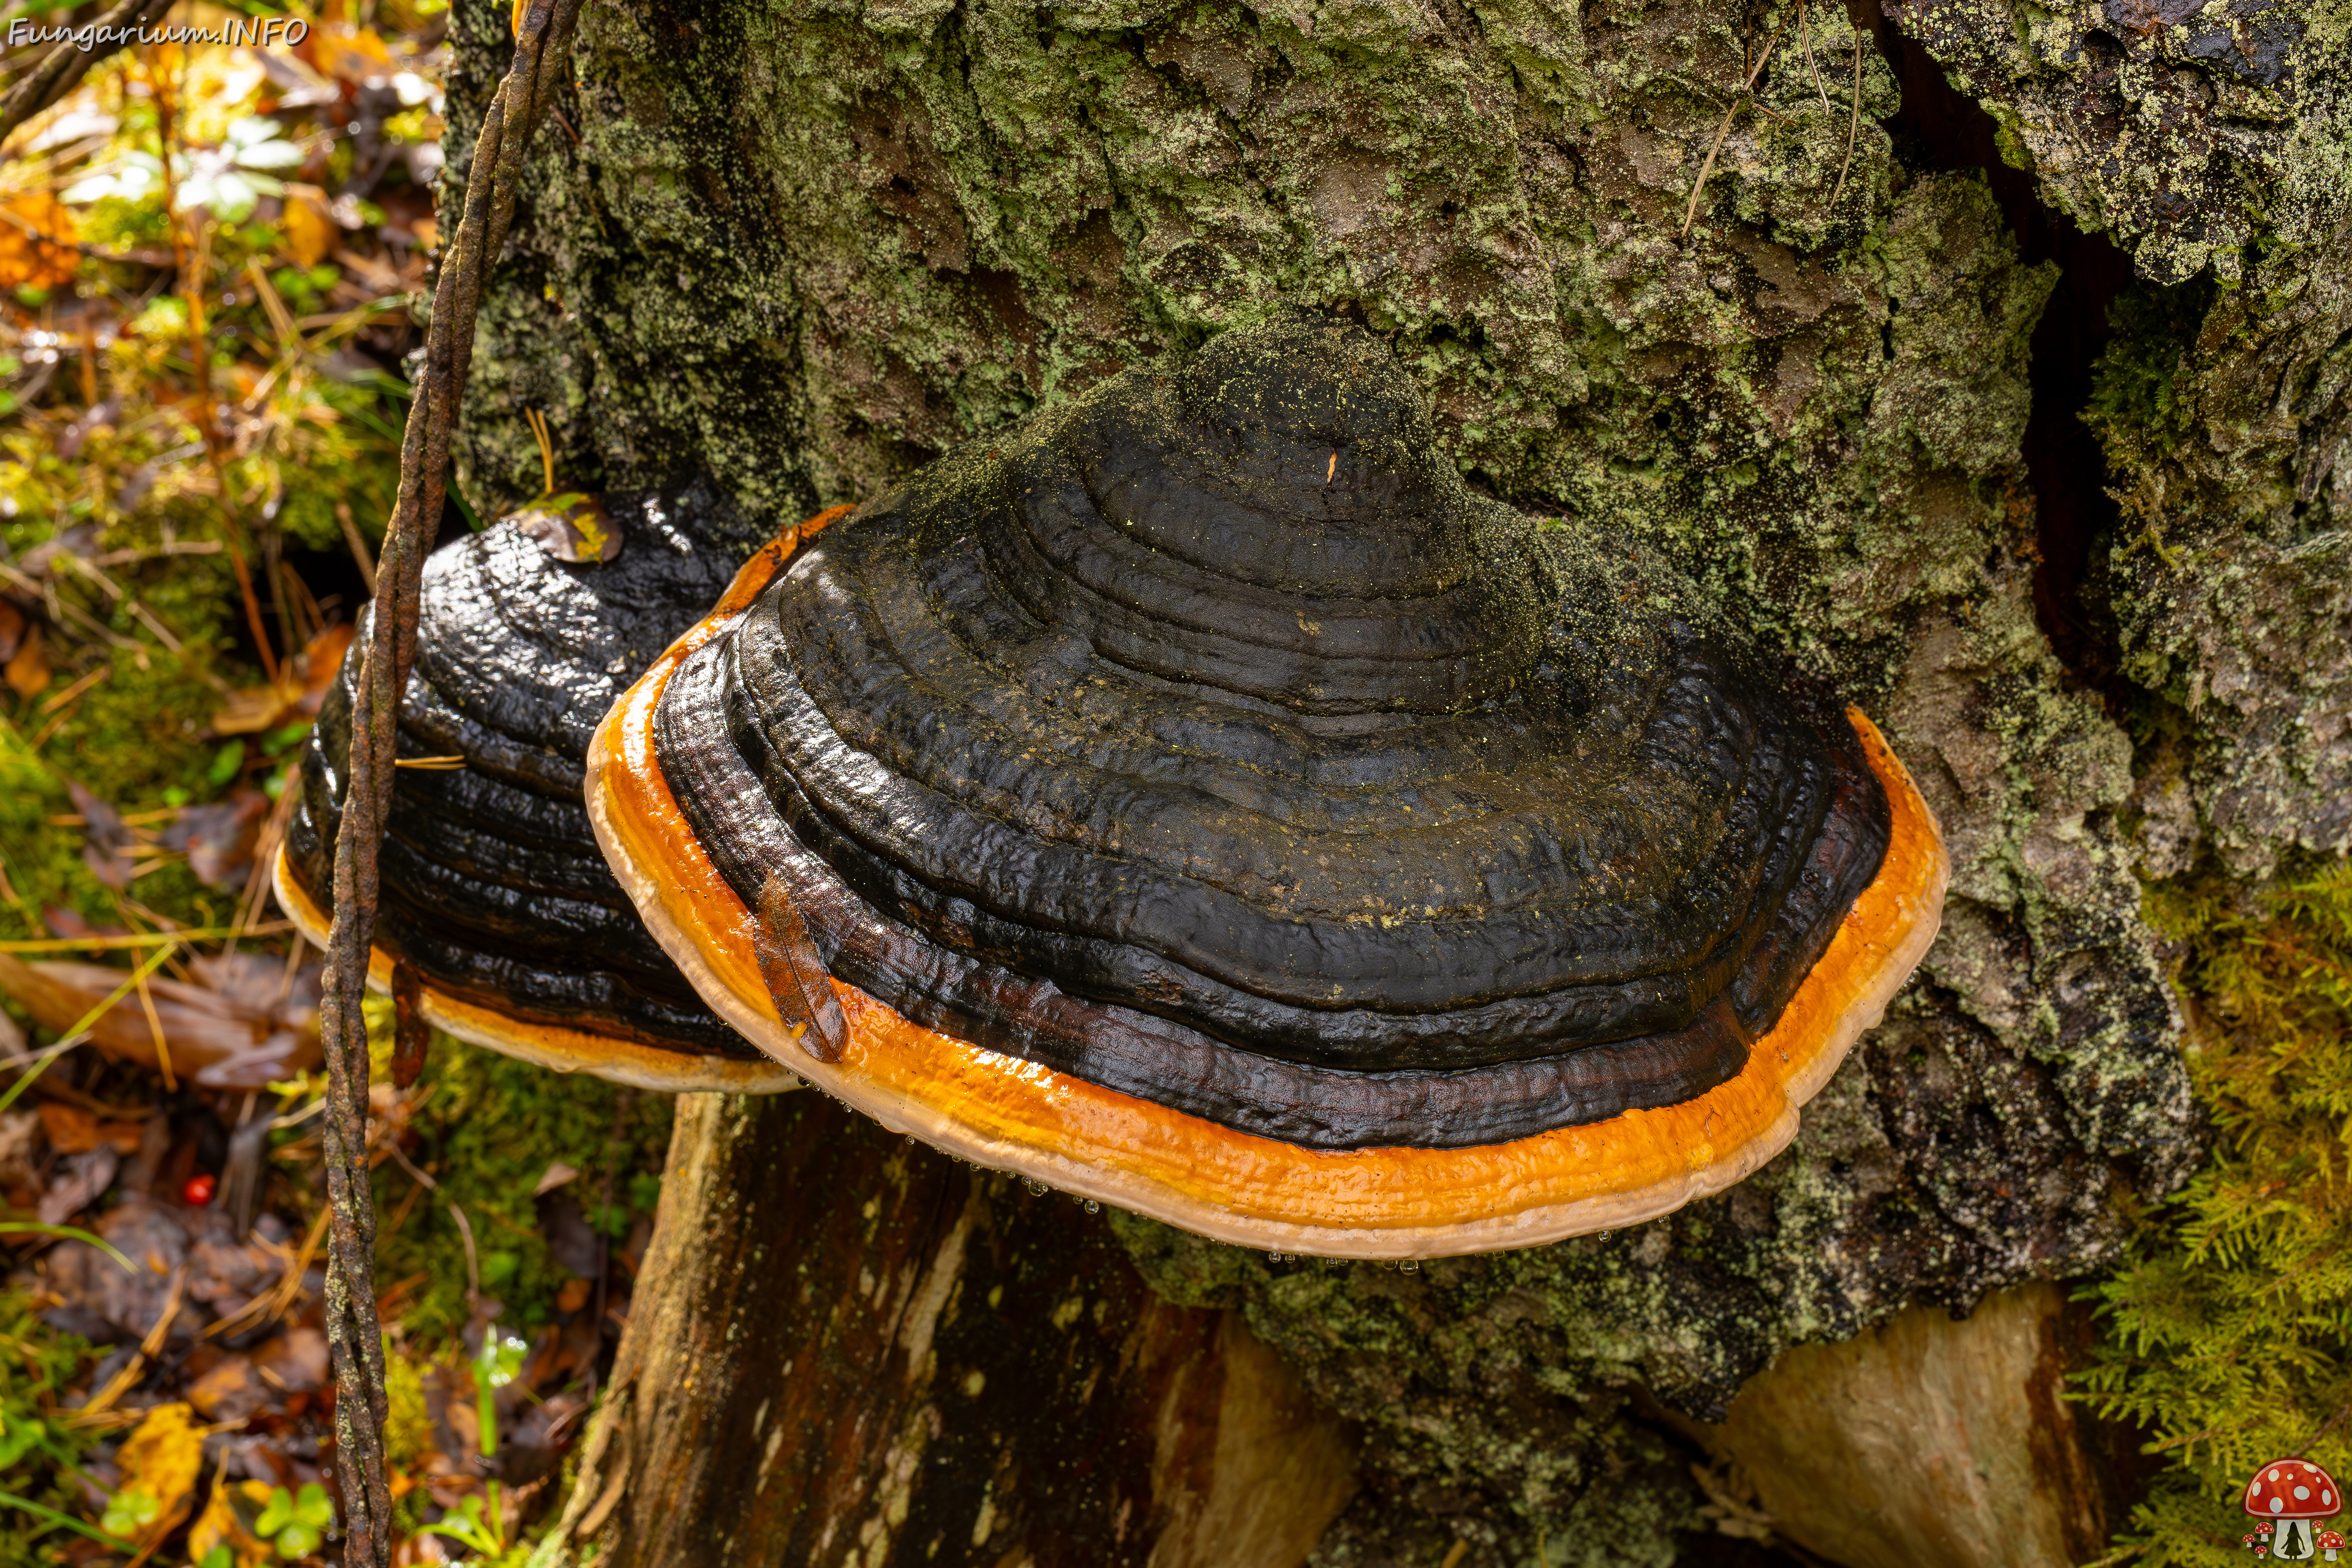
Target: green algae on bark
(2210, 143)
(808, 247)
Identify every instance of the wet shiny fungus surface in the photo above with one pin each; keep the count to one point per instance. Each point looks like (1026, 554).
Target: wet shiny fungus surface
(492, 883)
(1205, 738)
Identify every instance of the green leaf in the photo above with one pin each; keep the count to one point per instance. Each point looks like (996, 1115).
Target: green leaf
(128, 1512)
(277, 1513)
(278, 739)
(313, 1507)
(468, 1528)
(65, 1232)
(53, 1517)
(501, 1357)
(19, 1436)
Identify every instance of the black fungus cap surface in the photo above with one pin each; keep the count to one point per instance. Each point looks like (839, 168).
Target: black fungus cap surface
(492, 883)
(1208, 740)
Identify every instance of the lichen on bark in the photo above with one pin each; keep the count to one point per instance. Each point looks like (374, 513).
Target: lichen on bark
(808, 246)
(2210, 141)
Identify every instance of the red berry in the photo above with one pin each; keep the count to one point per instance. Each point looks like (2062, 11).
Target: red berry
(199, 1190)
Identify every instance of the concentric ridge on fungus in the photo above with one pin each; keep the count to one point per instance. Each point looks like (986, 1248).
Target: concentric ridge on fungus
(1198, 799)
(491, 883)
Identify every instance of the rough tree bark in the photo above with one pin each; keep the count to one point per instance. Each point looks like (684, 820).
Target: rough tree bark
(805, 246)
(861, 1353)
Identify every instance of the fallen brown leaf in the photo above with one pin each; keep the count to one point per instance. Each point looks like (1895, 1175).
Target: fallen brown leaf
(227, 1033)
(301, 687)
(67, 925)
(219, 839)
(21, 1137)
(73, 1130)
(318, 662)
(79, 1181)
(106, 842)
(296, 1360)
(250, 710)
(230, 1391)
(28, 672)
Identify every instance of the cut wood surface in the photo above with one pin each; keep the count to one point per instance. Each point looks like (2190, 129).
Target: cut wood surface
(1928, 1442)
(849, 1349)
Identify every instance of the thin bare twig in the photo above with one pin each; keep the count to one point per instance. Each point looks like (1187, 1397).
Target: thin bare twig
(358, 543)
(1853, 124)
(1805, 36)
(542, 31)
(2325, 1428)
(193, 279)
(57, 73)
(1722, 131)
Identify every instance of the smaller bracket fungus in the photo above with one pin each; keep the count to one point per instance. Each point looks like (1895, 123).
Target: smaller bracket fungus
(491, 885)
(2290, 1495)
(1194, 798)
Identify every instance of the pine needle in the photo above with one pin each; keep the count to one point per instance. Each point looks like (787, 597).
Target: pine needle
(1724, 130)
(1805, 36)
(1853, 124)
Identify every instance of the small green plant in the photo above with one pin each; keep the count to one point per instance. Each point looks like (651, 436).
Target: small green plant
(129, 1512)
(2256, 1252)
(468, 1528)
(38, 1454)
(294, 1524)
(478, 1525)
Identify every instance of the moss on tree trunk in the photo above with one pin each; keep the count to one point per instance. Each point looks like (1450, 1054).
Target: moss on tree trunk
(808, 246)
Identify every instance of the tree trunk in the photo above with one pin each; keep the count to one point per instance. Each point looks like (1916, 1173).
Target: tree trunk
(850, 1350)
(1930, 1442)
(1791, 339)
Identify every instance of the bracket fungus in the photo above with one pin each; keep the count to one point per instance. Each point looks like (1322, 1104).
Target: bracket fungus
(491, 886)
(1196, 799)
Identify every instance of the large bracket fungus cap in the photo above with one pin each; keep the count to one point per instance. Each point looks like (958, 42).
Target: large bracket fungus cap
(1197, 799)
(491, 885)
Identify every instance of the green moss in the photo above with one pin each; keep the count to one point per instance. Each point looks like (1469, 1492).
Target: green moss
(2140, 392)
(140, 729)
(2227, 1332)
(37, 1451)
(407, 1429)
(1495, 1389)
(487, 1130)
(2213, 150)
(136, 734)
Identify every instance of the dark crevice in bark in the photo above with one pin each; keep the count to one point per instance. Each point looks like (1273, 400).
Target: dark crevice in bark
(1942, 127)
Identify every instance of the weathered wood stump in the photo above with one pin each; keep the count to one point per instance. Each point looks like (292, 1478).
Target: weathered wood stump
(861, 1351)
(1930, 1442)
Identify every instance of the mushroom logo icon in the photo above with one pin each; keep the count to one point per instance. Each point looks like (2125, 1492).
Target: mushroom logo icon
(2291, 1495)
